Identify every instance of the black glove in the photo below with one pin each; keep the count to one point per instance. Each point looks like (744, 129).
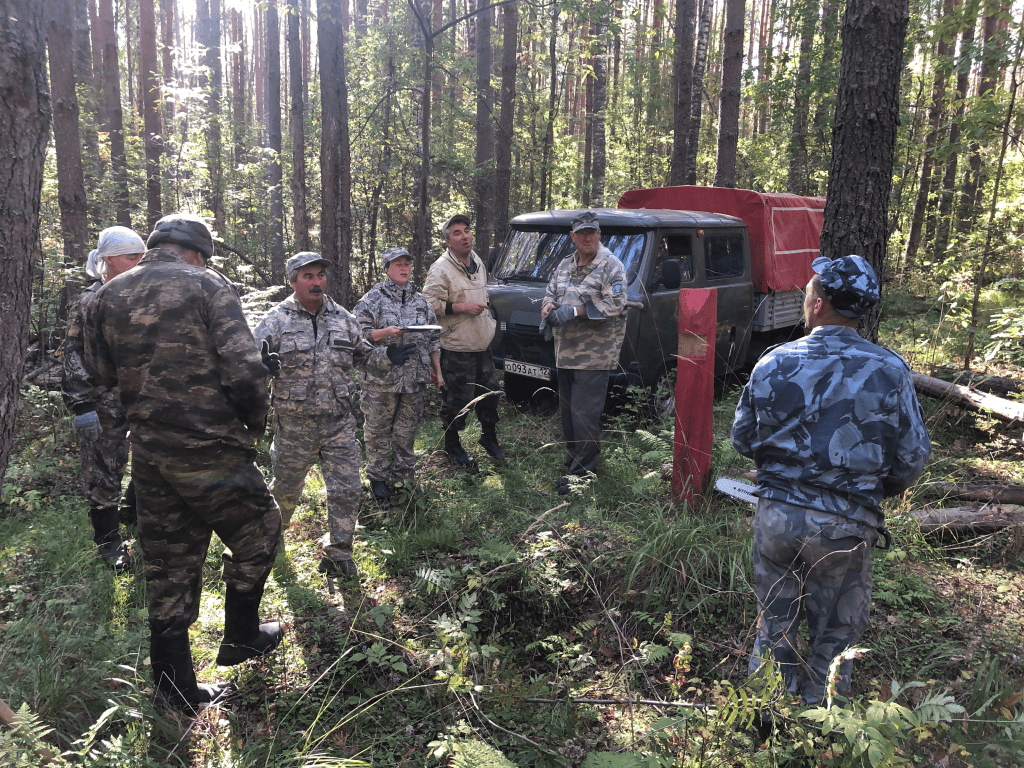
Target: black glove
(561, 316)
(399, 353)
(271, 360)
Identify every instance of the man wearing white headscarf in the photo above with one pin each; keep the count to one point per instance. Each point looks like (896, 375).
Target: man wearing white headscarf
(98, 416)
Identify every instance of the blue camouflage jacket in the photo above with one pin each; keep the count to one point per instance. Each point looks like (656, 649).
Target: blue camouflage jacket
(833, 424)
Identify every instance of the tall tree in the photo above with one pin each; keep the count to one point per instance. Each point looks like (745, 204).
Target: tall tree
(819, 155)
(24, 131)
(988, 69)
(729, 109)
(335, 159)
(700, 60)
(503, 176)
(208, 33)
(297, 89)
(149, 87)
(274, 176)
(167, 50)
(546, 169)
(113, 119)
(597, 115)
(238, 84)
(867, 115)
(484, 133)
(798, 182)
(682, 76)
(74, 218)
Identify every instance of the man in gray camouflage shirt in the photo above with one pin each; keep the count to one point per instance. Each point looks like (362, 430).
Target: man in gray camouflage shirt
(583, 305)
(834, 426)
(316, 342)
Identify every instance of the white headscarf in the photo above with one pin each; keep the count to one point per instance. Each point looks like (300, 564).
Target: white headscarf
(114, 241)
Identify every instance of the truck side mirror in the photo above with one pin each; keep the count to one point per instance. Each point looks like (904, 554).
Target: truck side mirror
(670, 274)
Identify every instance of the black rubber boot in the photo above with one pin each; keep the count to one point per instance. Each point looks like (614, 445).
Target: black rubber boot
(244, 637)
(380, 489)
(489, 441)
(174, 676)
(107, 535)
(453, 447)
(342, 568)
(127, 512)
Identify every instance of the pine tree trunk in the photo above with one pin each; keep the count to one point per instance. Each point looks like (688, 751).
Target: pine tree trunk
(682, 75)
(129, 65)
(798, 181)
(74, 218)
(503, 175)
(114, 117)
(600, 101)
(274, 176)
(24, 132)
(549, 131)
(729, 111)
(820, 154)
(208, 31)
(867, 115)
(96, 36)
(167, 12)
(88, 106)
(238, 87)
(697, 93)
(484, 133)
(297, 86)
(149, 87)
(986, 83)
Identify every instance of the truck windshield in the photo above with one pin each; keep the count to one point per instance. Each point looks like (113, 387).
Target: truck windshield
(533, 256)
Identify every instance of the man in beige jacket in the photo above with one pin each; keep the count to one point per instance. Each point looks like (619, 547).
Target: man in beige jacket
(456, 288)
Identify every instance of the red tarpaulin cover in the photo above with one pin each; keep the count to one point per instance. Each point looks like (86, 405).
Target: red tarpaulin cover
(784, 230)
(695, 390)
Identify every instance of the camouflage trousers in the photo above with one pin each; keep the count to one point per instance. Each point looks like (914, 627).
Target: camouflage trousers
(391, 420)
(183, 499)
(468, 376)
(298, 441)
(104, 461)
(814, 564)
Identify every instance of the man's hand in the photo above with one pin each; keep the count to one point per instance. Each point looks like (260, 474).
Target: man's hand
(439, 383)
(399, 353)
(561, 316)
(469, 308)
(271, 360)
(87, 425)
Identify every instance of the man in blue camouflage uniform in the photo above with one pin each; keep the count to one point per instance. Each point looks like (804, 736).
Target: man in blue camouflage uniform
(171, 335)
(584, 305)
(317, 342)
(834, 426)
(393, 404)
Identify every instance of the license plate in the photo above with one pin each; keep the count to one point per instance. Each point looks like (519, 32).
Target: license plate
(525, 369)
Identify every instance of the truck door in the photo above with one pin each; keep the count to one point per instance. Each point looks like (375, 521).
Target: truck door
(726, 267)
(659, 323)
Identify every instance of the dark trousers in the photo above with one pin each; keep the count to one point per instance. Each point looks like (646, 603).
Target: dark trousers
(581, 396)
(468, 376)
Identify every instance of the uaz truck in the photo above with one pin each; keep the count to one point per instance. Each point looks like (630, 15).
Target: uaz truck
(755, 249)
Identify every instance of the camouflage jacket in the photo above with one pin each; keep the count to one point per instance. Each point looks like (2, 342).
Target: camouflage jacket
(386, 304)
(317, 352)
(593, 341)
(449, 282)
(80, 396)
(174, 338)
(833, 424)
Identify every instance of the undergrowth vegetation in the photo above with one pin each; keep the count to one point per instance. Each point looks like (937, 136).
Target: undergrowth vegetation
(499, 624)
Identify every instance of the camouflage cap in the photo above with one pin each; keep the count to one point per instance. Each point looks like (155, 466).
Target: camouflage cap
(586, 220)
(184, 229)
(849, 283)
(392, 253)
(304, 259)
(458, 218)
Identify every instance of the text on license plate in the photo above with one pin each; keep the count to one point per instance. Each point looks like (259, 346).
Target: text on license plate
(524, 369)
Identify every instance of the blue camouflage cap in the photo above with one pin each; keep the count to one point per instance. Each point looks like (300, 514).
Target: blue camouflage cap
(849, 283)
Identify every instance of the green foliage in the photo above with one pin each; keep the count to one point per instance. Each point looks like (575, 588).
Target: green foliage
(476, 754)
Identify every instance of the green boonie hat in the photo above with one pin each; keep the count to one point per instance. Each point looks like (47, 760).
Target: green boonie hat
(458, 218)
(392, 253)
(304, 259)
(184, 229)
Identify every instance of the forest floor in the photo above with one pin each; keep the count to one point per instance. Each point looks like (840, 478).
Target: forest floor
(496, 623)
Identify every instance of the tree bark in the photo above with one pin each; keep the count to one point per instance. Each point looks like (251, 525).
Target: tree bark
(238, 87)
(969, 398)
(24, 132)
(114, 117)
(503, 176)
(867, 115)
(335, 166)
(484, 134)
(297, 86)
(274, 176)
(208, 31)
(798, 161)
(729, 111)
(971, 189)
(546, 170)
(74, 219)
(149, 87)
(700, 61)
(597, 116)
(682, 75)
(968, 519)
(167, 12)
(821, 151)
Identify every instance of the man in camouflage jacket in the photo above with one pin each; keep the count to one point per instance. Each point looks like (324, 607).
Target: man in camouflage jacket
(393, 404)
(317, 342)
(98, 417)
(584, 305)
(171, 334)
(834, 426)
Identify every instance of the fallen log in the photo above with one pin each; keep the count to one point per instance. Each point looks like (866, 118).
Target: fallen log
(983, 382)
(968, 519)
(996, 494)
(969, 398)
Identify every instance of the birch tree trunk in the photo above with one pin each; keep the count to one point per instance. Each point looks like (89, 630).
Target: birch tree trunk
(700, 60)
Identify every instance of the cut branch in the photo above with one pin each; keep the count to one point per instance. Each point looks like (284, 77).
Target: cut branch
(969, 398)
(969, 519)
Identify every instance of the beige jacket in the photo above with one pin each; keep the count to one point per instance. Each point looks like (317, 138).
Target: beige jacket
(449, 282)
